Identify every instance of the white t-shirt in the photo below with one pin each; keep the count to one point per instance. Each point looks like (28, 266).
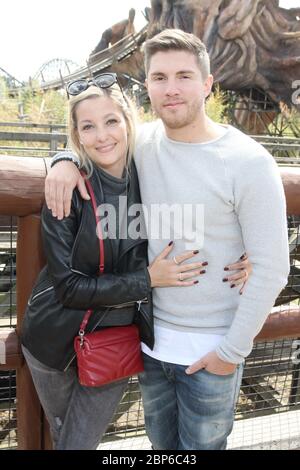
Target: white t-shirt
(180, 347)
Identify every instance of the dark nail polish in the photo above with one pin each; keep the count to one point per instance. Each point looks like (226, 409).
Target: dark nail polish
(226, 269)
(233, 285)
(203, 271)
(196, 282)
(171, 243)
(196, 252)
(225, 279)
(205, 263)
(241, 293)
(242, 257)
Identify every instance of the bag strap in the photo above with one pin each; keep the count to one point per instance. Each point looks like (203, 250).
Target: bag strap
(98, 225)
(101, 248)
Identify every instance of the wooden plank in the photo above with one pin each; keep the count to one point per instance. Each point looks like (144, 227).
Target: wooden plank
(32, 125)
(33, 136)
(32, 433)
(29, 412)
(21, 185)
(281, 325)
(10, 351)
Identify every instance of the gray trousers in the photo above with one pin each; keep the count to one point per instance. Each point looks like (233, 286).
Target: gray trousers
(78, 416)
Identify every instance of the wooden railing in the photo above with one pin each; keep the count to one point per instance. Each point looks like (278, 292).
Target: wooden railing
(53, 135)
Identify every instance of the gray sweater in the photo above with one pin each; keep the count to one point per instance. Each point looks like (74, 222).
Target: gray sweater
(232, 192)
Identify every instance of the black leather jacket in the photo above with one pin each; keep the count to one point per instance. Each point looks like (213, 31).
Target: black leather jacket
(68, 285)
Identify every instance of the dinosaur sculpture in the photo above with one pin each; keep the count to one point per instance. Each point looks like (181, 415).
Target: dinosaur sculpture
(253, 44)
(112, 35)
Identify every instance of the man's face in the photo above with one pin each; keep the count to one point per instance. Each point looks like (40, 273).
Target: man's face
(176, 88)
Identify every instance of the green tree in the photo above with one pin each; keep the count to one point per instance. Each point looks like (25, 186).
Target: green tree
(37, 106)
(41, 107)
(8, 105)
(216, 106)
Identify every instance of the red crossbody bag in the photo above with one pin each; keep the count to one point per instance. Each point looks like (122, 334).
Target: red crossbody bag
(110, 354)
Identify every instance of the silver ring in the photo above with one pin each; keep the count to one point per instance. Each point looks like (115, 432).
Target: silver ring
(180, 278)
(175, 260)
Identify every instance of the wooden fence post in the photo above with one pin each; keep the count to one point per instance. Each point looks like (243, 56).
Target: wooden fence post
(30, 260)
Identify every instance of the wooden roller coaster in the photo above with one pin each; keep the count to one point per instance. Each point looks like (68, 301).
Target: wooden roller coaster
(254, 49)
(251, 44)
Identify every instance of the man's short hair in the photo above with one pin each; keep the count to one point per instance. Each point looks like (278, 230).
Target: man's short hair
(177, 40)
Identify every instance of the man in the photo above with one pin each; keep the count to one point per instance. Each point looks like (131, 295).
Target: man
(192, 376)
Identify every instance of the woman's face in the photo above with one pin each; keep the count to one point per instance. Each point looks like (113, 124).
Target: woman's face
(102, 132)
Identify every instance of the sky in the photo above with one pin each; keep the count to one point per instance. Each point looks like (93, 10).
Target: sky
(33, 32)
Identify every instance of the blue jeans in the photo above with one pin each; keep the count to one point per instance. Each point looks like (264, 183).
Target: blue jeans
(78, 416)
(187, 412)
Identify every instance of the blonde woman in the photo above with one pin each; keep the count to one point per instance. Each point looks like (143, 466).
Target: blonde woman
(102, 135)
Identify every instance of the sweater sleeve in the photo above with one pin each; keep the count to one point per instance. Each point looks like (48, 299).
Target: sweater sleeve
(261, 209)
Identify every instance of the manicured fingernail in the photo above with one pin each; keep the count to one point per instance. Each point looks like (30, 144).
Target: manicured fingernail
(243, 256)
(196, 252)
(205, 263)
(225, 279)
(171, 243)
(203, 271)
(226, 269)
(188, 371)
(241, 293)
(196, 282)
(233, 285)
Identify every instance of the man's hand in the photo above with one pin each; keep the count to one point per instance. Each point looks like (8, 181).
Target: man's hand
(212, 363)
(59, 186)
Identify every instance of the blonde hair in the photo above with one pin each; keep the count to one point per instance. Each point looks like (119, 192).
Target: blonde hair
(178, 40)
(126, 107)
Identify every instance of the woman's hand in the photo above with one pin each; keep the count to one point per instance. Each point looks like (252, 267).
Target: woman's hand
(244, 268)
(173, 272)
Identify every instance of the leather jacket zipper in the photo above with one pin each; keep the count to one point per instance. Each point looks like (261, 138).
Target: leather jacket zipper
(70, 362)
(38, 294)
(128, 304)
(145, 316)
(78, 272)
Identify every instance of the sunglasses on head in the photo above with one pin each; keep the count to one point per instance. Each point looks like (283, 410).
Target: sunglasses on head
(103, 80)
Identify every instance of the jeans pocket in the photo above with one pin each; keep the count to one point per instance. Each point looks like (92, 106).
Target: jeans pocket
(228, 376)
